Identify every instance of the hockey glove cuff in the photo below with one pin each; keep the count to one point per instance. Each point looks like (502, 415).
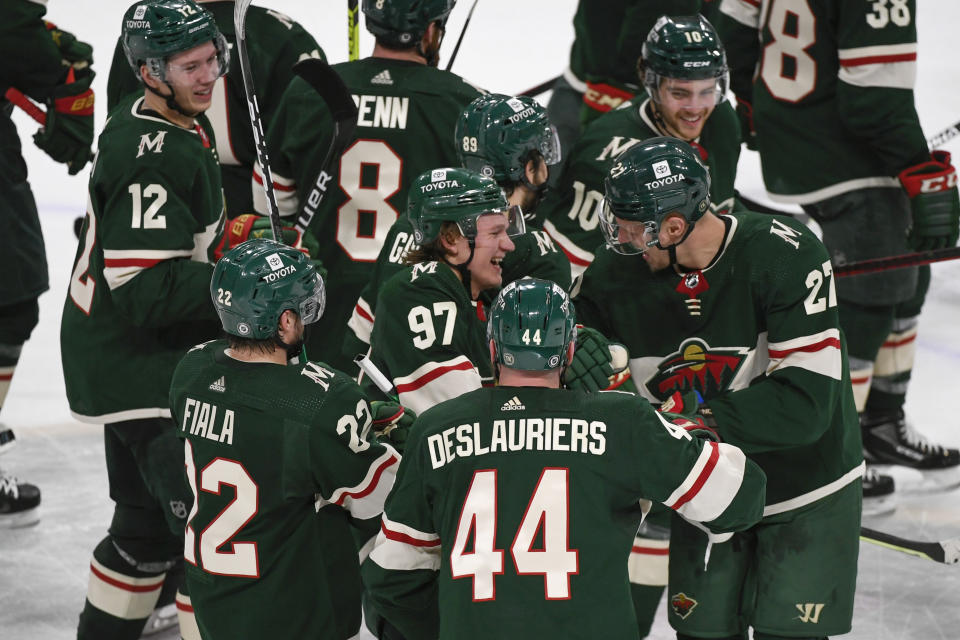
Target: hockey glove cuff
(68, 133)
(250, 225)
(932, 188)
(391, 423)
(601, 97)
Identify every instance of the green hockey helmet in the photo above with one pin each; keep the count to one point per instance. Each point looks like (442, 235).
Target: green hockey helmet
(495, 135)
(154, 30)
(457, 195)
(256, 281)
(648, 181)
(532, 322)
(683, 48)
(401, 23)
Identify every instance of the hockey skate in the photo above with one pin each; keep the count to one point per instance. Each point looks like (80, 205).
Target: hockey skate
(889, 439)
(878, 498)
(19, 501)
(161, 619)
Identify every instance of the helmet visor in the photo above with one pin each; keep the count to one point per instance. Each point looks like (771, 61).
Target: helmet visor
(626, 237)
(549, 145)
(693, 93)
(515, 222)
(311, 307)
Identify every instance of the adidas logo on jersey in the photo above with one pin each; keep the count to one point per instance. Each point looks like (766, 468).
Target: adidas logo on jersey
(382, 78)
(220, 384)
(513, 404)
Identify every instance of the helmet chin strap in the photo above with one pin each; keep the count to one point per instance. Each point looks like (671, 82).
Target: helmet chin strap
(672, 249)
(171, 100)
(463, 269)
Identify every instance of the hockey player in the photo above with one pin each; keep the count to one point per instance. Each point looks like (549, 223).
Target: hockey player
(684, 70)
(275, 43)
(406, 113)
(566, 476)
(746, 316)
(602, 73)
(138, 300)
(57, 72)
(277, 457)
(838, 133)
(512, 141)
(431, 343)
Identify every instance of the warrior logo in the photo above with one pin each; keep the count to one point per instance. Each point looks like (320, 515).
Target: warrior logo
(682, 605)
(697, 366)
(809, 612)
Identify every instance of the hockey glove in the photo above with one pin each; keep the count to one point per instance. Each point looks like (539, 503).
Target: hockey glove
(68, 133)
(601, 97)
(748, 133)
(686, 411)
(595, 361)
(391, 423)
(75, 53)
(251, 225)
(932, 188)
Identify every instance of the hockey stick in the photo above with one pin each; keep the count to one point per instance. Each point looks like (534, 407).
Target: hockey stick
(239, 22)
(325, 81)
(949, 133)
(543, 87)
(945, 551)
(376, 376)
(456, 48)
(353, 30)
(896, 262)
(16, 97)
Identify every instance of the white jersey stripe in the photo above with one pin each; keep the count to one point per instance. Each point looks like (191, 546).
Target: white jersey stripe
(398, 555)
(746, 12)
(706, 492)
(450, 383)
(361, 320)
(285, 191)
(397, 530)
(365, 500)
(122, 596)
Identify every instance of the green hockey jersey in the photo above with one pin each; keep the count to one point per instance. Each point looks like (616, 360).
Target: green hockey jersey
(430, 339)
(535, 255)
(405, 123)
(139, 294)
(757, 334)
(515, 509)
(279, 463)
(274, 43)
(832, 93)
(571, 212)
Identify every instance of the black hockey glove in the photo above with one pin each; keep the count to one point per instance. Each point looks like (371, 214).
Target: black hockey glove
(595, 361)
(391, 423)
(75, 53)
(68, 133)
(932, 187)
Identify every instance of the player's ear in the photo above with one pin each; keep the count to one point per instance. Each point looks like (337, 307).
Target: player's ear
(570, 349)
(493, 352)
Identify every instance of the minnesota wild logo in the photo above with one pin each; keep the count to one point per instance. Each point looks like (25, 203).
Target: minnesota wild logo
(682, 605)
(697, 366)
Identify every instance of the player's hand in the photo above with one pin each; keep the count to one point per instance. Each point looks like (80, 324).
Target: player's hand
(932, 188)
(391, 423)
(68, 133)
(251, 225)
(601, 97)
(748, 132)
(75, 53)
(595, 361)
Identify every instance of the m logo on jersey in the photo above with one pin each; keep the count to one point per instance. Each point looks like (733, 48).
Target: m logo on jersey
(155, 145)
(682, 605)
(696, 366)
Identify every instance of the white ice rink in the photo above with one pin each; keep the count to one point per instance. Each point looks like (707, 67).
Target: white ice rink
(510, 46)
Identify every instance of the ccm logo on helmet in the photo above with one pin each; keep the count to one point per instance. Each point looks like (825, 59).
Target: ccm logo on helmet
(433, 186)
(656, 184)
(696, 63)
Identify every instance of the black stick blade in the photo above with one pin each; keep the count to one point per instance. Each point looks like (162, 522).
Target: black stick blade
(326, 82)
